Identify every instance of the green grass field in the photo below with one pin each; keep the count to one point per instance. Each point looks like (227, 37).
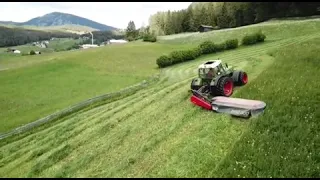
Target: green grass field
(58, 44)
(275, 31)
(36, 86)
(157, 132)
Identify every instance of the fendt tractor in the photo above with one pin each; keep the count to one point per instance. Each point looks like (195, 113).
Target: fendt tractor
(214, 86)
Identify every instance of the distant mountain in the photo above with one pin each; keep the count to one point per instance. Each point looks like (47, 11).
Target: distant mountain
(9, 23)
(58, 19)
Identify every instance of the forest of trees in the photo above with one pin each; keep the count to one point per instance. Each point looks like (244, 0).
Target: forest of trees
(132, 33)
(19, 36)
(227, 15)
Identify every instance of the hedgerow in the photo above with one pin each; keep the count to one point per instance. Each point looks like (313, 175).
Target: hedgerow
(207, 47)
(253, 38)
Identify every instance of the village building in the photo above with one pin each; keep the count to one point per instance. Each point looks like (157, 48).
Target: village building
(204, 28)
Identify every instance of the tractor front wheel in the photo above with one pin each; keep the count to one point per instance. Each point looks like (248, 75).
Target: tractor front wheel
(224, 86)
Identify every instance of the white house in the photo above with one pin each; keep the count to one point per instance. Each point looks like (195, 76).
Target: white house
(119, 41)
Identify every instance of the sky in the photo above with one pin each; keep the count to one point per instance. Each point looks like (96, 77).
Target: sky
(116, 14)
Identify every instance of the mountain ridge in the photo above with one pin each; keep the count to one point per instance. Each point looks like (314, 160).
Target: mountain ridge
(58, 19)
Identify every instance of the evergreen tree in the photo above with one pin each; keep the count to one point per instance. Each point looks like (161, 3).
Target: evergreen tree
(131, 31)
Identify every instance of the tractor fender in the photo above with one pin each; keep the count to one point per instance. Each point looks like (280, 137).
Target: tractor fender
(196, 81)
(215, 82)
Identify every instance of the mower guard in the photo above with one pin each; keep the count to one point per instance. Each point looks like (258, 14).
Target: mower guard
(233, 106)
(201, 102)
(237, 106)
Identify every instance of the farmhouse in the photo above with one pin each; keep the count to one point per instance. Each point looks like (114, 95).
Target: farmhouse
(86, 46)
(204, 28)
(41, 44)
(13, 51)
(10, 50)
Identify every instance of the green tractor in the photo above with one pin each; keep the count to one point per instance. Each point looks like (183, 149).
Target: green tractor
(215, 79)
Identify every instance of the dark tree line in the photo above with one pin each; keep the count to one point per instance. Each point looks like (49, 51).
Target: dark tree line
(19, 36)
(132, 33)
(101, 36)
(227, 15)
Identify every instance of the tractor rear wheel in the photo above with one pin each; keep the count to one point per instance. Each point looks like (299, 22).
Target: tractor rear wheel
(224, 86)
(240, 78)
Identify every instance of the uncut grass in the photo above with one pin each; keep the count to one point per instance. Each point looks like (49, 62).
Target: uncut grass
(284, 142)
(241, 55)
(273, 31)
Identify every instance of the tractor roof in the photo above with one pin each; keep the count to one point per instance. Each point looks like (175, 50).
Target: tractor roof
(210, 64)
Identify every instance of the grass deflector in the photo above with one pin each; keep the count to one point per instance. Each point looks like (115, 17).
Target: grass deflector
(214, 86)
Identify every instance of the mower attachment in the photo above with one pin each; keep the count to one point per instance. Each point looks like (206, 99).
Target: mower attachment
(233, 106)
(201, 102)
(237, 106)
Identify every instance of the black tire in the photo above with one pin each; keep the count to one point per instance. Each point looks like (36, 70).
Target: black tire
(235, 77)
(219, 89)
(240, 78)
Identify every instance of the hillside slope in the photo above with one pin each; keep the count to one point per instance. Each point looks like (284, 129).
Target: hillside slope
(157, 132)
(59, 19)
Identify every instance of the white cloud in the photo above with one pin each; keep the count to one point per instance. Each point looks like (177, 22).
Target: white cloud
(116, 14)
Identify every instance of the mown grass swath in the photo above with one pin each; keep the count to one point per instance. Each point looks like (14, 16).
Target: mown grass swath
(39, 85)
(112, 60)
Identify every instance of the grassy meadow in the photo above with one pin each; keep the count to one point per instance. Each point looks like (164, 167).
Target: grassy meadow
(275, 30)
(157, 132)
(58, 44)
(285, 141)
(36, 86)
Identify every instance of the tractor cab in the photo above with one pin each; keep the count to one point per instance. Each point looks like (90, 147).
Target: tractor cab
(211, 69)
